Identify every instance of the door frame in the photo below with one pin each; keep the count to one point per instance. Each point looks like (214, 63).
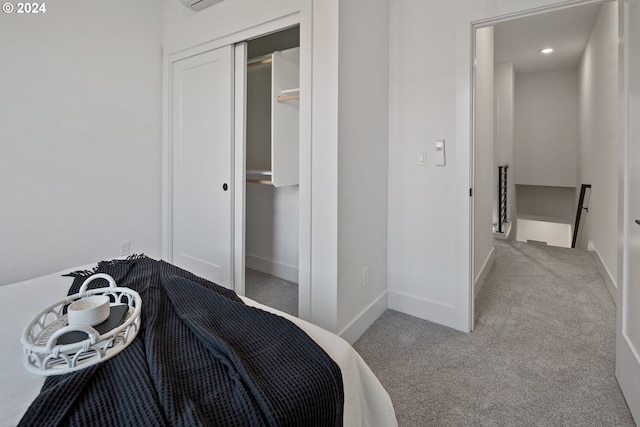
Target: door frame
(303, 19)
(624, 221)
(627, 357)
(474, 26)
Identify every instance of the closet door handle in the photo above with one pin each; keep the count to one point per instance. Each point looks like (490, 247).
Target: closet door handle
(638, 221)
(225, 187)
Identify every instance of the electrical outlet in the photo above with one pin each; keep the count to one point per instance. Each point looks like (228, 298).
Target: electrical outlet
(125, 247)
(365, 276)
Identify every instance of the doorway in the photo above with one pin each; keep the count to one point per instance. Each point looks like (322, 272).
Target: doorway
(272, 170)
(534, 112)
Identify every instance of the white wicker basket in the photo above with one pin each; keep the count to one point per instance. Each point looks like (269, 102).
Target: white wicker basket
(42, 354)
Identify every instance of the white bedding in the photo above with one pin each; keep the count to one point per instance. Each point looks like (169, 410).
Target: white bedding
(366, 401)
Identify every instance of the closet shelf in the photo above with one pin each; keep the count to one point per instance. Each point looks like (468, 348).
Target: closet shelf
(289, 94)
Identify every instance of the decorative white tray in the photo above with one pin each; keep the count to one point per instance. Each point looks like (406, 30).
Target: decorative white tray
(44, 356)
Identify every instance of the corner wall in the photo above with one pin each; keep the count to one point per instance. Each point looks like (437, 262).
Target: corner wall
(422, 260)
(599, 135)
(486, 153)
(363, 134)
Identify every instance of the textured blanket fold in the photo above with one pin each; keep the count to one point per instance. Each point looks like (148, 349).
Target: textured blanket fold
(202, 357)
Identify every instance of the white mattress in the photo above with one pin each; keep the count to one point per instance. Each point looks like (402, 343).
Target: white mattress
(366, 401)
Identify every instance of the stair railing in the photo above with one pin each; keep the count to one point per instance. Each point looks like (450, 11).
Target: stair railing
(583, 190)
(502, 196)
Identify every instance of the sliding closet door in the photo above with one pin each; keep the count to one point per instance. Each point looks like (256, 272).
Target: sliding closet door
(201, 137)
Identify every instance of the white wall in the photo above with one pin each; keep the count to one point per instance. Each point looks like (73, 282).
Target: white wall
(504, 85)
(546, 203)
(546, 128)
(324, 165)
(429, 98)
(485, 150)
(272, 230)
(422, 260)
(599, 123)
(80, 121)
(362, 162)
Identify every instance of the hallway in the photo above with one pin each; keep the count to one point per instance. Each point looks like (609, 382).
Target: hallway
(542, 352)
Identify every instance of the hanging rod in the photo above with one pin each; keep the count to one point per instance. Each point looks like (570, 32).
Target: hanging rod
(261, 60)
(288, 97)
(263, 174)
(259, 181)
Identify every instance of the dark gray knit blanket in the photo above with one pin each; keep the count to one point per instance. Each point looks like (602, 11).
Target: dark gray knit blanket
(202, 357)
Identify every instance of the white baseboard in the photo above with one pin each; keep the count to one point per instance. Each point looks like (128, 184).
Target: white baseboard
(426, 309)
(274, 268)
(482, 275)
(609, 281)
(364, 319)
(506, 233)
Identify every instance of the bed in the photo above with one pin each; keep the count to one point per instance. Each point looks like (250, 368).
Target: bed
(365, 402)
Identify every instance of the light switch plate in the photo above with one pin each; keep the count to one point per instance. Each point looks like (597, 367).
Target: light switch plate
(440, 153)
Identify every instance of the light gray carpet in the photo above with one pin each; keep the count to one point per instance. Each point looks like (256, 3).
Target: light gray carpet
(542, 352)
(271, 291)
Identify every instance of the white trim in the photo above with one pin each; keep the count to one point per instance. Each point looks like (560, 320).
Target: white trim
(484, 271)
(275, 268)
(304, 189)
(364, 319)
(166, 237)
(627, 355)
(423, 308)
(271, 26)
(533, 11)
(609, 281)
(239, 156)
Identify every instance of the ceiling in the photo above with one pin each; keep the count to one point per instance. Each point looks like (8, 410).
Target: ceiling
(567, 31)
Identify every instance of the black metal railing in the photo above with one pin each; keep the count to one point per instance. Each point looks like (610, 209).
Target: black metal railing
(502, 196)
(581, 206)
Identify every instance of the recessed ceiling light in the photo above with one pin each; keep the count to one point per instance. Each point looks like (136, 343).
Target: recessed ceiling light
(546, 50)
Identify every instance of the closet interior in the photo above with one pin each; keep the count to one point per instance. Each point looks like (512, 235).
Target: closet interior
(272, 167)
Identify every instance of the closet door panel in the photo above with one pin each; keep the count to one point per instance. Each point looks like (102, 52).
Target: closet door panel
(202, 131)
(285, 116)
